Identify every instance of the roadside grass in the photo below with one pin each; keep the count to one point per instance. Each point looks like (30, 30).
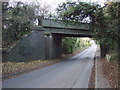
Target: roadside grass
(10, 69)
(110, 71)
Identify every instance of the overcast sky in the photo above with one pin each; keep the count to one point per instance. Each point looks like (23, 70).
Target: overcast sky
(54, 3)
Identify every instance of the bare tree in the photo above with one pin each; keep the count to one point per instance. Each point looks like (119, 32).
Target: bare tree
(42, 9)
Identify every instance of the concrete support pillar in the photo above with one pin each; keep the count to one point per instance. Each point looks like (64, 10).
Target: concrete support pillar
(56, 46)
(48, 47)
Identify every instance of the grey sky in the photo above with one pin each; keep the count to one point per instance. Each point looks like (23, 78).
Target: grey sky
(54, 3)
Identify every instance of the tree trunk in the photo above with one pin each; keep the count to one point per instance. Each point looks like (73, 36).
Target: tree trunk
(104, 50)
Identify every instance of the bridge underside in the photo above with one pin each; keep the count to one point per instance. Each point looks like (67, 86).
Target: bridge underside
(66, 32)
(72, 35)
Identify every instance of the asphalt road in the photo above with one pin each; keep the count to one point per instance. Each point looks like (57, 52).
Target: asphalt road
(71, 73)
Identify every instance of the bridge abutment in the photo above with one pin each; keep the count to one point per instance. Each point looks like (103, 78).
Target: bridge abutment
(31, 47)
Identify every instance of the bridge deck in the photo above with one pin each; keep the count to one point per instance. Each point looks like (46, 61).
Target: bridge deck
(57, 27)
(58, 24)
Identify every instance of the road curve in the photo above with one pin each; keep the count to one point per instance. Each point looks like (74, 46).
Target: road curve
(71, 73)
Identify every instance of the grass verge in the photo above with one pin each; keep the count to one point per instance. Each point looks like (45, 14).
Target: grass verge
(110, 71)
(11, 69)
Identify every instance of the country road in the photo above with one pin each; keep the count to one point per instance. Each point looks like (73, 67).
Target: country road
(71, 73)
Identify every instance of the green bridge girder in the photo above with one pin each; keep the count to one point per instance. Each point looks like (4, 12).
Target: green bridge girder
(56, 27)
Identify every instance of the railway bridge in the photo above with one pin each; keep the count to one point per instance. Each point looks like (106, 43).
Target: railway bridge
(45, 41)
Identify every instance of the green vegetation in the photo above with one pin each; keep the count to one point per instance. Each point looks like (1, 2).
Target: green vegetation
(71, 44)
(104, 21)
(17, 19)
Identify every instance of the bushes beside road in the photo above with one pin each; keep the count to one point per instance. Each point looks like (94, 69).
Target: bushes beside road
(71, 44)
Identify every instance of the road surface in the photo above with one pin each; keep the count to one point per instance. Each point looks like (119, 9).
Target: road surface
(71, 73)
